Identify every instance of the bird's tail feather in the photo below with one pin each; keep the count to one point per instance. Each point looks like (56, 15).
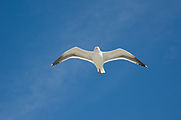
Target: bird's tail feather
(102, 70)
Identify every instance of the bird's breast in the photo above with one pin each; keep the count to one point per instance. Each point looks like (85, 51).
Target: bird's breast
(98, 59)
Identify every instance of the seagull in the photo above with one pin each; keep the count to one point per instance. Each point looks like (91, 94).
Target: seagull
(97, 57)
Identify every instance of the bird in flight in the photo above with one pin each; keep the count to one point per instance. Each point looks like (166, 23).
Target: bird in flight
(97, 57)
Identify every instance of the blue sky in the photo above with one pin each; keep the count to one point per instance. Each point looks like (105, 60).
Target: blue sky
(35, 32)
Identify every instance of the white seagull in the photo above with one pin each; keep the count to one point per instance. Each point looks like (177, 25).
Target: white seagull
(97, 57)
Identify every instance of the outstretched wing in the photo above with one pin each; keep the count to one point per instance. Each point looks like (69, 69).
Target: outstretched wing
(121, 54)
(74, 53)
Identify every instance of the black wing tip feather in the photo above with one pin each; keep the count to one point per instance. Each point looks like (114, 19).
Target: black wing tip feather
(144, 65)
(140, 63)
(53, 64)
(57, 61)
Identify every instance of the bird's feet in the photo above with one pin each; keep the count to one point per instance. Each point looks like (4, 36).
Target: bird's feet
(99, 72)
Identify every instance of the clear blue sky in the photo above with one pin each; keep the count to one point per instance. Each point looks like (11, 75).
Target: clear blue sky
(34, 33)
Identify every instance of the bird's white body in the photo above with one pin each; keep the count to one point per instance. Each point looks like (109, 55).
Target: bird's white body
(98, 60)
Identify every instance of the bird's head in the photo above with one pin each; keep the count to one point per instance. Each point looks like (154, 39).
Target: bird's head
(96, 48)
